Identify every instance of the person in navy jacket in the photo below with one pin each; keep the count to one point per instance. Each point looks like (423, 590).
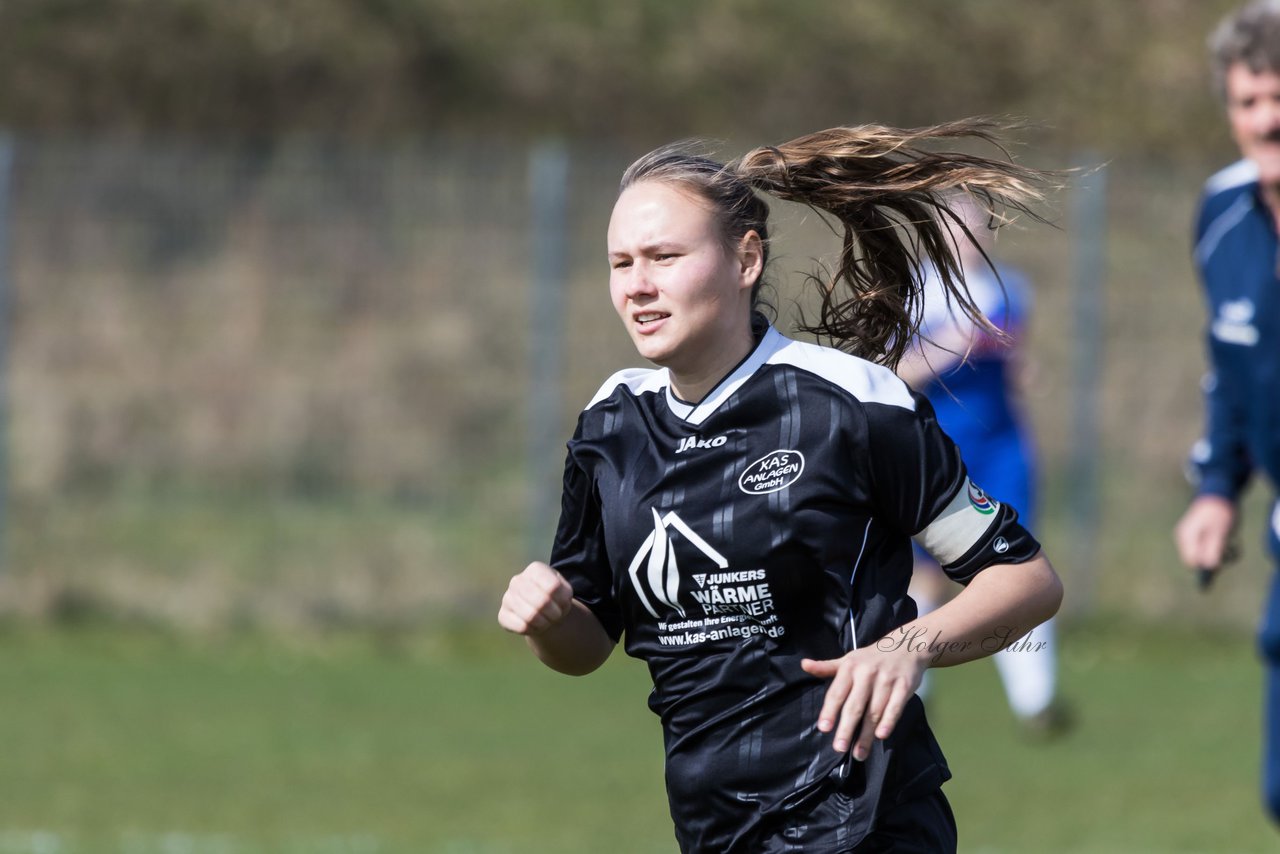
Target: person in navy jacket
(1237, 253)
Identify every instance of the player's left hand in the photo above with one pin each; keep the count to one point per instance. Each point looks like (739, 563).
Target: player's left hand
(870, 686)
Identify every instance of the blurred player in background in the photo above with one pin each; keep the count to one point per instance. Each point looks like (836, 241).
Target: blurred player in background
(743, 514)
(1236, 253)
(973, 378)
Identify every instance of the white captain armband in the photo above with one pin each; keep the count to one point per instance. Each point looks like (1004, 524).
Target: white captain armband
(960, 525)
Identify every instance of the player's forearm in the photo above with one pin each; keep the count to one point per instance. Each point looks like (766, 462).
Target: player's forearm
(999, 607)
(576, 645)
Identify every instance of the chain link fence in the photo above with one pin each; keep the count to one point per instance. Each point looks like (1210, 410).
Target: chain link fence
(290, 383)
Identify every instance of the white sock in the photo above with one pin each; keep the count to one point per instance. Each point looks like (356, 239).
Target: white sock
(1028, 668)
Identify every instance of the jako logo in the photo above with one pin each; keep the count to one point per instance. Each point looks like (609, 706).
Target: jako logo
(775, 470)
(660, 581)
(690, 443)
(980, 501)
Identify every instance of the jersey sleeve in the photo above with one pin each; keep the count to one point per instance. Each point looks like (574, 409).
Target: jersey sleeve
(1220, 461)
(578, 552)
(920, 483)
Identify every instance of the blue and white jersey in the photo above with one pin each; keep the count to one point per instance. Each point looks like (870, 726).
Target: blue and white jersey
(975, 399)
(1237, 253)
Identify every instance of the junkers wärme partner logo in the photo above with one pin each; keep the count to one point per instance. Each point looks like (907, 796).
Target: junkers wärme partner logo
(655, 571)
(774, 471)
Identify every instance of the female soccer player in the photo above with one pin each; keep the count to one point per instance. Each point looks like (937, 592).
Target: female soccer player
(744, 513)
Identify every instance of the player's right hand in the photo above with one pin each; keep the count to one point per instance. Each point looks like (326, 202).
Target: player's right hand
(1203, 531)
(535, 600)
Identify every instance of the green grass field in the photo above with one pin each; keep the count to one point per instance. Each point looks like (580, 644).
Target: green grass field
(457, 742)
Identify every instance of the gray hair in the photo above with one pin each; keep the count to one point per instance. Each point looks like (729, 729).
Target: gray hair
(1250, 35)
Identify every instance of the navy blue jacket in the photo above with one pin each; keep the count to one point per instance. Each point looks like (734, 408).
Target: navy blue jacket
(1237, 252)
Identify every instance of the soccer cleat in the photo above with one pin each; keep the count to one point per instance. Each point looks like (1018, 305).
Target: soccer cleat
(1053, 721)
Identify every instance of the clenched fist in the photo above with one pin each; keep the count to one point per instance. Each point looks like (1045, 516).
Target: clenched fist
(535, 600)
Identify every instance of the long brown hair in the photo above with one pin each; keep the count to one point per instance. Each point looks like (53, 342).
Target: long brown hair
(891, 202)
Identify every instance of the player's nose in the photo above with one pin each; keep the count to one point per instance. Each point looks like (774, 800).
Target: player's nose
(640, 282)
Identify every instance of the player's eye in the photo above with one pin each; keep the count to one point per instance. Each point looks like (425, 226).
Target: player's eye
(621, 263)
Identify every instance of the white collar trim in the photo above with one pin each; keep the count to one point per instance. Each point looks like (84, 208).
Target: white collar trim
(772, 342)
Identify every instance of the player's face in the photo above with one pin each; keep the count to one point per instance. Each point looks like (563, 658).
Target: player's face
(1253, 109)
(683, 295)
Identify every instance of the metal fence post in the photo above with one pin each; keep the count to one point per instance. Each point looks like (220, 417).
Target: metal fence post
(548, 188)
(1089, 272)
(7, 147)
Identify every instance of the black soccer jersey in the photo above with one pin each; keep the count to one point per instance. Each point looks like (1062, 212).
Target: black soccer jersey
(768, 523)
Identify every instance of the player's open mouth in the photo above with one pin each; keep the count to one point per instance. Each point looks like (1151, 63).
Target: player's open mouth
(649, 317)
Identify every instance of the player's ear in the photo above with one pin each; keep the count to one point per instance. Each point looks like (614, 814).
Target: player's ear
(750, 258)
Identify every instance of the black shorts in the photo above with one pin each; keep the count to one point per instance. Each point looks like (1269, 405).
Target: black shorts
(925, 825)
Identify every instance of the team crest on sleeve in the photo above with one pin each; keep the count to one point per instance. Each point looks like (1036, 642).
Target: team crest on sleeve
(960, 525)
(774, 471)
(979, 500)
